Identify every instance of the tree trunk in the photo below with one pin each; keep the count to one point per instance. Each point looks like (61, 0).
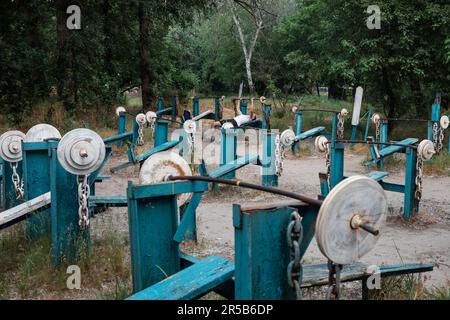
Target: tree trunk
(144, 55)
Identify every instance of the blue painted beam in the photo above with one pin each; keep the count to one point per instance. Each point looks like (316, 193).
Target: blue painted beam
(233, 166)
(166, 189)
(163, 147)
(108, 201)
(127, 136)
(190, 283)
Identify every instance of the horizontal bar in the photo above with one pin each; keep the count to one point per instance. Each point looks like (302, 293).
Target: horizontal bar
(108, 201)
(119, 138)
(166, 189)
(161, 148)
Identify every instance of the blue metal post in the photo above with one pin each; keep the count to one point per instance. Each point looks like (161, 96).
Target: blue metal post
(336, 156)
(122, 125)
(196, 106)
(228, 150)
(269, 176)
(68, 240)
(161, 132)
(384, 133)
(243, 106)
(266, 116)
(369, 117)
(298, 130)
(160, 103)
(410, 205)
(36, 174)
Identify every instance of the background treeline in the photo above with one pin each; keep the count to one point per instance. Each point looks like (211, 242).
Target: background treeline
(185, 47)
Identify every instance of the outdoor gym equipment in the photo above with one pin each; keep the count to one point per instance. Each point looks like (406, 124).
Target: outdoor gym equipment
(270, 242)
(415, 156)
(436, 126)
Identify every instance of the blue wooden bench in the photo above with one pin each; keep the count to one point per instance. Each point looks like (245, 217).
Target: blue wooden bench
(309, 134)
(233, 166)
(378, 175)
(378, 155)
(190, 283)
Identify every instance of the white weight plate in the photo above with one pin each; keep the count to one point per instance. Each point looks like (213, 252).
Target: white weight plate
(119, 110)
(11, 146)
(227, 126)
(262, 100)
(81, 151)
(160, 165)
(287, 138)
(376, 118)
(358, 195)
(141, 118)
(190, 126)
(344, 112)
(150, 116)
(357, 106)
(426, 150)
(444, 122)
(320, 144)
(41, 133)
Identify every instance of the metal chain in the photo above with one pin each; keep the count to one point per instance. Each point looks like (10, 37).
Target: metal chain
(419, 176)
(440, 144)
(377, 133)
(328, 163)
(294, 239)
(279, 156)
(140, 140)
(334, 281)
(436, 135)
(83, 197)
(17, 182)
(152, 127)
(340, 129)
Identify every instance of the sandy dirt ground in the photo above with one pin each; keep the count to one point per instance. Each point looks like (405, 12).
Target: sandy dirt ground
(425, 239)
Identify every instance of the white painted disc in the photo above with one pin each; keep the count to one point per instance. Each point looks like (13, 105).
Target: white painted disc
(120, 110)
(81, 152)
(344, 112)
(151, 116)
(426, 150)
(141, 118)
(11, 146)
(262, 100)
(337, 240)
(444, 122)
(190, 126)
(227, 126)
(320, 144)
(41, 133)
(161, 165)
(287, 138)
(294, 109)
(376, 118)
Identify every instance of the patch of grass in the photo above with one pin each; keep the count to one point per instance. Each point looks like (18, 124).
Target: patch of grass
(442, 293)
(137, 101)
(406, 287)
(439, 165)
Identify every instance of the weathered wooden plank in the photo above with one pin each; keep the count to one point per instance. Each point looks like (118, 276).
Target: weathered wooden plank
(25, 208)
(393, 149)
(190, 283)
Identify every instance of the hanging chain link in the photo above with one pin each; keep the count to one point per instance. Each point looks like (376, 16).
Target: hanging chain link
(440, 144)
(152, 127)
(419, 176)
(140, 140)
(334, 281)
(377, 132)
(295, 268)
(328, 164)
(340, 128)
(83, 197)
(436, 135)
(17, 182)
(279, 156)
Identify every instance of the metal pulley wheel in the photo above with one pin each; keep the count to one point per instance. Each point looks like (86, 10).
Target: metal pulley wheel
(227, 126)
(294, 109)
(344, 113)
(41, 133)
(444, 122)
(81, 152)
(375, 118)
(426, 150)
(190, 126)
(350, 219)
(120, 110)
(150, 116)
(141, 119)
(320, 144)
(287, 138)
(161, 165)
(263, 100)
(11, 146)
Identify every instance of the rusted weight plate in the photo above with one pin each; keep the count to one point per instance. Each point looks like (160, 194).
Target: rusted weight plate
(161, 165)
(81, 151)
(41, 133)
(11, 146)
(356, 196)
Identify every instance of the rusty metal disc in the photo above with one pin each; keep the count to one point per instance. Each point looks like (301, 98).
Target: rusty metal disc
(358, 196)
(11, 146)
(161, 165)
(81, 152)
(41, 133)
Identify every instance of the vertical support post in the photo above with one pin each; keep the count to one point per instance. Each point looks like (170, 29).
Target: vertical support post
(410, 205)
(266, 116)
(298, 130)
(196, 106)
(161, 132)
(366, 133)
(243, 107)
(174, 108)
(336, 156)
(154, 254)
(160, 105)
(122, 125)
(36, 174)
(216, 109)
(68, 240)
(228, 150)
(260, 240)
(269, 176)
(354, 132)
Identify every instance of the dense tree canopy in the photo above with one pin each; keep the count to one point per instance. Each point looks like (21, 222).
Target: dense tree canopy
(175, 47)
